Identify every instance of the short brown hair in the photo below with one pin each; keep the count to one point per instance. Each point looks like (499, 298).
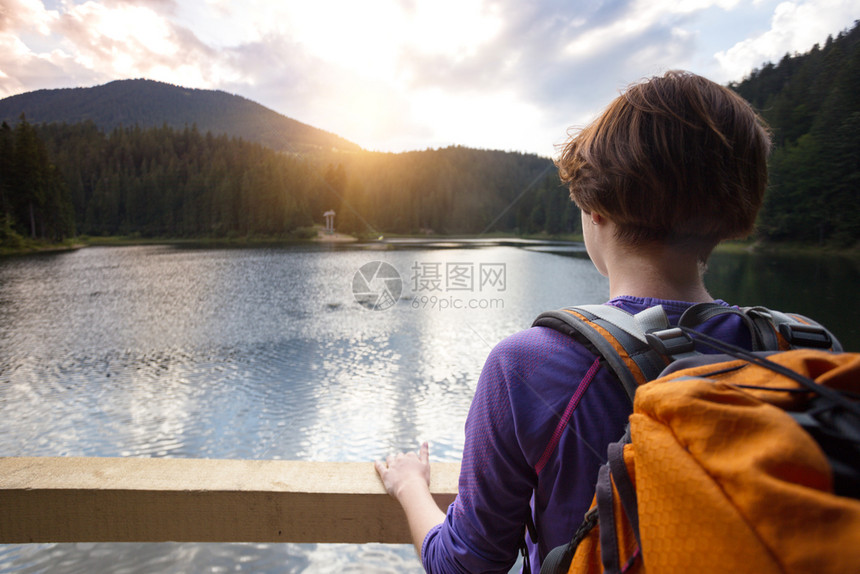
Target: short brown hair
(675, 159)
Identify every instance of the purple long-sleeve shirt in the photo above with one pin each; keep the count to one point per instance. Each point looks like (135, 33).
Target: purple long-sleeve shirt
(530, 382)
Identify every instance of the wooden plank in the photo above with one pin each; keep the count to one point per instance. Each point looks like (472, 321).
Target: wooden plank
(199, 500)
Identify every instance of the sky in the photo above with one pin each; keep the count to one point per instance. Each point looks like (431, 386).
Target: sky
(399, 75)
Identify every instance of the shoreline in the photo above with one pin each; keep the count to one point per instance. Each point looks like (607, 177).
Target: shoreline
(739, 247)
(335, 237)
(41, 248)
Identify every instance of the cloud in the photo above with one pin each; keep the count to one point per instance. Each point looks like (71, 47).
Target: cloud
(794, 27)
(83, 44)
(402, 74)
(122, 40)
(553, 50)
(20, 68)
(554, 64)
(283, 75)
(25, 14)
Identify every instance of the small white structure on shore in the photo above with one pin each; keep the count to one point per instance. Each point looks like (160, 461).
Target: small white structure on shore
(329, 221)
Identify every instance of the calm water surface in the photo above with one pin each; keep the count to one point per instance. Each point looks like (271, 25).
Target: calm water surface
(160, 351)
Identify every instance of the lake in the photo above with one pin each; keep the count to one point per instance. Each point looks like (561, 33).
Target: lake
(267, 353)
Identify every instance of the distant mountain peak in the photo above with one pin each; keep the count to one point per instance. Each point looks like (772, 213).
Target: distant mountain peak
(150, 103)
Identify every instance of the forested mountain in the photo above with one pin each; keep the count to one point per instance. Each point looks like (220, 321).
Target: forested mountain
(451, 190)
(184, 177)
(164, 182)
(34, 198)
(147, 103)
(812, 103)
(142, 157)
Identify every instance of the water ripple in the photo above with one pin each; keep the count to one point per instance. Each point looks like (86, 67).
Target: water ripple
(247, 354)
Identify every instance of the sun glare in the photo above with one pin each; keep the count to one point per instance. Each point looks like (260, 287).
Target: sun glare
(368, 37)
(370, 41)
(453, 27)
(359, 36)
(477, 119)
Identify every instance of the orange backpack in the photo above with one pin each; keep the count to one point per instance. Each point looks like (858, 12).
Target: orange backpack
(744, 463)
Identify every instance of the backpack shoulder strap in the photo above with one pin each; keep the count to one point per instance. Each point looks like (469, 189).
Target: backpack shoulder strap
(703, 312)
(769, 330)
(783, 331)
(617, 336)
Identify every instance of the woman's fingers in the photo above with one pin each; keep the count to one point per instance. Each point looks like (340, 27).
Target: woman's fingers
(398, 469)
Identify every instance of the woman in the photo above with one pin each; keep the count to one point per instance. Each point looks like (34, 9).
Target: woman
(674, 165)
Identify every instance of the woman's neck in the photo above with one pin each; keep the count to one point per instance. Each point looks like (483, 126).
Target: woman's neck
(657, 271)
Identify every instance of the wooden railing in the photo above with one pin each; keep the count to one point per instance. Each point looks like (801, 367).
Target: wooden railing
(198, 500)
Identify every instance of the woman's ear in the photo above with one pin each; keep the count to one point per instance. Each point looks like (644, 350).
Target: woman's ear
(596, 218)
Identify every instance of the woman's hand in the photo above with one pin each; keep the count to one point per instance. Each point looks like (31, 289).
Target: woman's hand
(406, 477)
(406, 472)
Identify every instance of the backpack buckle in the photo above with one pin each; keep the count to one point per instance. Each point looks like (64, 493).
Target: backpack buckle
(671, 342)
(800, 335)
